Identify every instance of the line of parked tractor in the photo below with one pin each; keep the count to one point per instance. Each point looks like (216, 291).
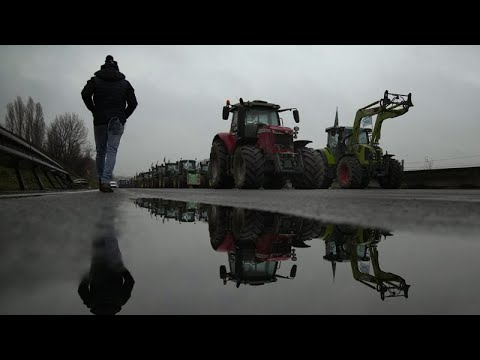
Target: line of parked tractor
(258, 151)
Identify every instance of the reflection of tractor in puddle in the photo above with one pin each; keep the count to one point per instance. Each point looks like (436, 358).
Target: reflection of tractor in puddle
(359, 246)
(256, 242)
(168, 209)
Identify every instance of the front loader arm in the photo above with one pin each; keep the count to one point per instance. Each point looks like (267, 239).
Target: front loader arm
(392, 105)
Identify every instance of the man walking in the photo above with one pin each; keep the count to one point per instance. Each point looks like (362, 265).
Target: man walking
(112, 104)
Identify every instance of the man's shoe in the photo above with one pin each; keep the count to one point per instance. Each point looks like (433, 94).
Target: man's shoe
(105, 188)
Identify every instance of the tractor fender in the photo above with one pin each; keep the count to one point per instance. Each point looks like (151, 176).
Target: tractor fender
(327, 156)
(228, 139)
(300, 144)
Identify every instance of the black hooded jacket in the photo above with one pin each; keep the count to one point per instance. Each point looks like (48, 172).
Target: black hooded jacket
(111, 93)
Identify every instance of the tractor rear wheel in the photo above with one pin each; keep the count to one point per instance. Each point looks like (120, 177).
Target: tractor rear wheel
(218, 161)
(393, 179)
(349, 173)
(312, 170)
(248, 167)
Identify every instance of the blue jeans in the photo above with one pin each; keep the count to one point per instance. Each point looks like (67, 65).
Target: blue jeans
(107, 140)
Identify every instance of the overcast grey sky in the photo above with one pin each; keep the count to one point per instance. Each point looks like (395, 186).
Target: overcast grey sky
(181, 91)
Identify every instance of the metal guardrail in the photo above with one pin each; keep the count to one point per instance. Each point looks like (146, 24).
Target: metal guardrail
(16, 153)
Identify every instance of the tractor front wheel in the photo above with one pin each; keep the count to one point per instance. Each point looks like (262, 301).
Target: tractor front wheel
(247, 225)
(312, 167)
(349, 173)
(248, 167)
(394, 177)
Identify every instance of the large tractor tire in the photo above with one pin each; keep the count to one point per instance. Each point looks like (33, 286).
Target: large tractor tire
(219, 165)
(365, 179)
(312, 167)
(349, 173)
(274, 182)
(217, 225)
(247, 225)
(325, 180)
(393, 179)
(248, 167)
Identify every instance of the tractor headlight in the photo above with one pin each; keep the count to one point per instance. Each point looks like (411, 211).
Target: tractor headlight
(372, 156)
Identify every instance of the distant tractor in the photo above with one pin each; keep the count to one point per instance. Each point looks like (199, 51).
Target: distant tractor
(186, 174)
(202, 171)
(353, 155)
(260, 152)
(170, 173)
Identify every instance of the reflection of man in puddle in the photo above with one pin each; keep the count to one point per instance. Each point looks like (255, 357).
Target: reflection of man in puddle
(108, 285)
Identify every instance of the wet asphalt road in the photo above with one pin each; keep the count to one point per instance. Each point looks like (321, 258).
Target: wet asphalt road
(456, 211)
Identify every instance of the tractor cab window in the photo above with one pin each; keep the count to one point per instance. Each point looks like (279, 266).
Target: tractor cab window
(188, 217)
(189, 165)
(233, 128)
(171, 167)
(332, 140)
(252, 269)
(262, 116)
(362, 138)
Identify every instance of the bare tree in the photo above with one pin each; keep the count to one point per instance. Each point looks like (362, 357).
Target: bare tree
(15, 118)
(39, 128)
(66, 138)
(428, 163)
(26, 120)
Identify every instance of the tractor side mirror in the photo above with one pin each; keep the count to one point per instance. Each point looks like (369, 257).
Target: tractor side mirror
(225, 112)
(223, 272)
(293, 271)
(296, 116)
(409, 99)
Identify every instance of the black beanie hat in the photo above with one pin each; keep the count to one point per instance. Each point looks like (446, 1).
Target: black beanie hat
(109, 60)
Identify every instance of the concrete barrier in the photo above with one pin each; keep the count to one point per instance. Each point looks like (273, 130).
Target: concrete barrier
(459, 178)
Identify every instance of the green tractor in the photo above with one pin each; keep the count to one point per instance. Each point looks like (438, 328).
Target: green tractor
(186, 174)
(353, 155)
(169, 175)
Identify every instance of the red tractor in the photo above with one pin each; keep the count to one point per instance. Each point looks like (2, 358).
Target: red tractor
(256, 243)
(260, 152)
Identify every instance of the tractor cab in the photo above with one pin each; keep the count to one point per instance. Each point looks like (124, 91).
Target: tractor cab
(170, 168)
(203, 167)
(339, 138)
(259, 151)
(187, 165)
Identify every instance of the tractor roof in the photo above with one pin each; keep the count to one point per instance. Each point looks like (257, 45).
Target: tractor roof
(259, 103)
